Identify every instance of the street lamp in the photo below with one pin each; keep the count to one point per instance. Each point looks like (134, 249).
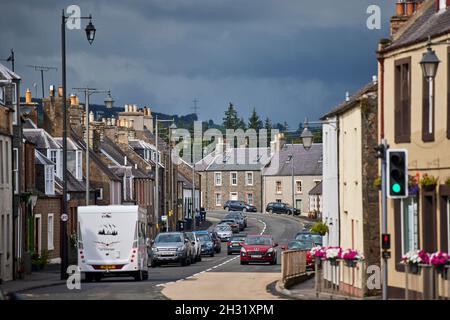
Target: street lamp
(430, 63)
(90, 34)
(109, 104)
(307, 137)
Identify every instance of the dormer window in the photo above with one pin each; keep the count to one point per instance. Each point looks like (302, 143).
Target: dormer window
(2, 95)
(49, 179)
(79, 165)
(54, 156)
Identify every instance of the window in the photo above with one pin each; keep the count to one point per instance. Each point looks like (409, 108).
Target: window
(2, 178)
(278, 200)
(410, 227)
(249, 178)
(402, 113)
(233, 178)
(53, 156)
(278, 187)
(7, 162)
(14, 103)
(427, 112)
(16, 170)
(218, 178)
(298, 186)
(218, 198)
(448, 94)
(100, 194)
(49, 180)
(250, 198)
(2, 95)
(79, 165)
(50, 228)
(233, 196)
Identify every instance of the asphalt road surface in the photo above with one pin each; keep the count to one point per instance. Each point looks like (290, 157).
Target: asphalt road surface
(218, 277)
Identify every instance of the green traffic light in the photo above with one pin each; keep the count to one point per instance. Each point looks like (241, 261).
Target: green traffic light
(396, 188)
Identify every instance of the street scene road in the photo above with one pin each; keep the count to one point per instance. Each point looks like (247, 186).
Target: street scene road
(218, 277)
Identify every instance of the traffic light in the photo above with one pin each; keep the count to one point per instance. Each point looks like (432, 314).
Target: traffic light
(385, 241)
(397, 174)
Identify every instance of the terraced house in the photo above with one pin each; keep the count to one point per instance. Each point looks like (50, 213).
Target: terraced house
(412, 119)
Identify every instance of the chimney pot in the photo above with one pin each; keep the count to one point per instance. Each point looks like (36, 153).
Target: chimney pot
(28, 96)
(60, 91)
(52, 91)
(347, 96)
(73, 100)
(374, 79)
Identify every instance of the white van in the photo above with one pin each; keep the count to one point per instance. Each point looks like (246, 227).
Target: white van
(112, 240)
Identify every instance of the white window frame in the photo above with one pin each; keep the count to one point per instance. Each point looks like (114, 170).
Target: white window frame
(281, 187)
(7, 163)
(218, 174)
(2, 95)
(252, 197)
(2, 170)
(16, 170)
(56, 161)
(237, 195)
(79, 165)
(50, 231)
(247, 173)
(49, 180)
(415, 241)
(100, 196)
(218, 199)
(231, 178)
(15, 103)
(296, 186)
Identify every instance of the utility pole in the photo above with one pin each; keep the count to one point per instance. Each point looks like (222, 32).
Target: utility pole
(195, 107)
(42, 69)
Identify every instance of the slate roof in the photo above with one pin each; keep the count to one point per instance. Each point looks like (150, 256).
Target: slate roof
(71, 145)
(128, 171)
(187, 184)
(240, 159)
(94, 157)
(41, 159)
(115, 152)
(73, 185)
(6, 74)
(306, 162)
(317, 190)
(430, 22)
(370, 88)
(41, 139)
(29, 124)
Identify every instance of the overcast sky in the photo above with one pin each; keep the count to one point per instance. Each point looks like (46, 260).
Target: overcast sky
(289, 59)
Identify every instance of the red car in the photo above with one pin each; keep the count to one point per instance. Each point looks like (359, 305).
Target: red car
(259, 248)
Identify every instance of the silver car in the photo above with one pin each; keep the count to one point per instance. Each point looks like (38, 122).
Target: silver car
(197, 246)
(171, 247)
(224, 232)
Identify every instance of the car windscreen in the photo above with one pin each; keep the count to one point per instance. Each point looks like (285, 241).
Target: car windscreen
(223, 228)
(204, 237)
(258, 241)
(300, 245)
(227, 221)
(190, 236)
(164, 238)
(237, 239)
(317, 238)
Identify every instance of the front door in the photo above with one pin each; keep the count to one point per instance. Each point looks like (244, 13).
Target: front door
(37, 234)
(298, 204)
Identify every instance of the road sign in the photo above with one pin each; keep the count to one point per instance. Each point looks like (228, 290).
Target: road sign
(64, 217)
(163, 218)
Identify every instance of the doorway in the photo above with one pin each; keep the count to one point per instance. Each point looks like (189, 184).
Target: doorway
(37, 233)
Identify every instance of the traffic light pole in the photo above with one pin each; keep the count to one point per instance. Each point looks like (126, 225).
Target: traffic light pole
(384, 223)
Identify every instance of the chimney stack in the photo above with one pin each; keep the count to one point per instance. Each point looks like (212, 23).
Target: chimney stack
(405, 9)
(52, 91)
(60, 91)
(73, 100)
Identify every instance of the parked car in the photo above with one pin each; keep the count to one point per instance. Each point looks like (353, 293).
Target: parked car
(217, 241)
(232, 223)
(207, 242)
(224, 232)
(196, 244)
(304, 245)
(171, 247)
(235, 243)
(259, 248)
(236, 205)
(270, 206)
(283, 208)
(308, 236)
(238, 217)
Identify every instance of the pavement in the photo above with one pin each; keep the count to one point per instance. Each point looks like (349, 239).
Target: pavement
(50, 276)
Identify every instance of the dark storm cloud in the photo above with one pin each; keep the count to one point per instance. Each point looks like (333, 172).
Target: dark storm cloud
(287, 58)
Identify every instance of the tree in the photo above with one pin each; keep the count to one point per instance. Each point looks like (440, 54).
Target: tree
(231, 120)
(268, 127)
(254, 122)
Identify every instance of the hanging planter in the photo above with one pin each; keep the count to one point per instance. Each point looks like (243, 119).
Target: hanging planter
(413, 259)
(428, 182)
(318, 253)
(439, 260)
(334, 262)
(332, 254)
(350, 263)
(413, 268)
(351, 257)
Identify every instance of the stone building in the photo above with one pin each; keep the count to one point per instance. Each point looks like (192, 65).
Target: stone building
(422, 220)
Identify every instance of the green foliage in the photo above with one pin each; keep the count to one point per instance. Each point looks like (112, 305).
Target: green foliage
(231, 119)
(428, 181)
(254, 122)
(447, 182)
(320, 228)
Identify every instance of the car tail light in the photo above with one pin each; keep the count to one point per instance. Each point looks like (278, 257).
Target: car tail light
(229, 243)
